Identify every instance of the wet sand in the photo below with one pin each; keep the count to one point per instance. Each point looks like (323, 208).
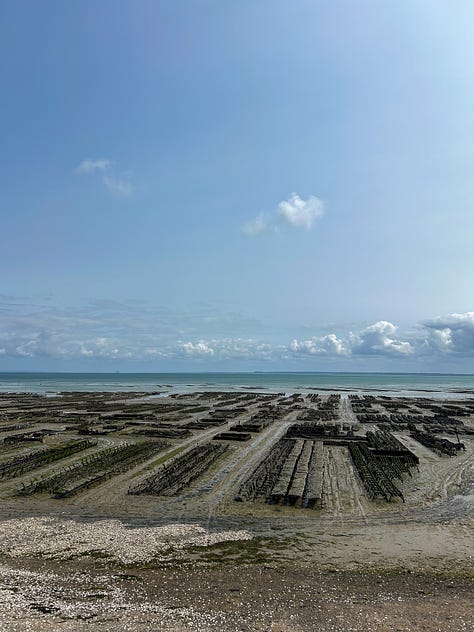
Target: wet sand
(45, 596)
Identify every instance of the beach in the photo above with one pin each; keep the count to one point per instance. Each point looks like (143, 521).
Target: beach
(108, 519)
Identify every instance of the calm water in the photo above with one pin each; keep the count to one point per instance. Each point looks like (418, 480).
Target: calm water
(419, 384)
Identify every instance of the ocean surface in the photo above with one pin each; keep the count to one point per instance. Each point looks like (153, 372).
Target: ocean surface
(419, 384)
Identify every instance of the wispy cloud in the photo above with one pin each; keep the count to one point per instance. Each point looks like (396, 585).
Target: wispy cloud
(255, 226)
(119, 185)
(118, 330)
(294, 212)
(89, 166)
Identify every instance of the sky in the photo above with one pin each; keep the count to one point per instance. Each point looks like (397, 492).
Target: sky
(217, 185)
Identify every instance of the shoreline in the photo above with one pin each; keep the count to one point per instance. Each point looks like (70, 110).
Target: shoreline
(389, 384)
(179, 389)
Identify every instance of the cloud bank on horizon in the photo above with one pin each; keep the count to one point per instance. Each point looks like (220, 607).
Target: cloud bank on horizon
(110, 331)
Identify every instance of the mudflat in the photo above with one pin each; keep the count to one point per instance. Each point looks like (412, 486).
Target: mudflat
(225, 511)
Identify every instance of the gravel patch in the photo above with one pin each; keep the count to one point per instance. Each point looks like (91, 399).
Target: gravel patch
(66, 539)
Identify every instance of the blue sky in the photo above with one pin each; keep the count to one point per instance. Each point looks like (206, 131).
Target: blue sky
(237, 185)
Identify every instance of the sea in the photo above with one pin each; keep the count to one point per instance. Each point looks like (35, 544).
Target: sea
(409, 384)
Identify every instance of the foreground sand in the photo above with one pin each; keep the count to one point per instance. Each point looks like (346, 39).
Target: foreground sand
(71, 575)
(39, 595)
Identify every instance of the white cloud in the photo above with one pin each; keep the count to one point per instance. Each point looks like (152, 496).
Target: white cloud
(322, 345)
(89, 166)
(301, 213)
(441, 339)
(198, 349)
(452, 333)
(119, 185)
(294, 212)
(378, 339)
(229, 348)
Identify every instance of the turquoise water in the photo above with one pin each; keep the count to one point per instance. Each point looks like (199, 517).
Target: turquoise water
(410, 383)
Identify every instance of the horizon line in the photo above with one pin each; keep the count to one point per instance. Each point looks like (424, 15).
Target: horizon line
(234, 373)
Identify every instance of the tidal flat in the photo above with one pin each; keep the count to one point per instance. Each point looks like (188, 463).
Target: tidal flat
(236, 511)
